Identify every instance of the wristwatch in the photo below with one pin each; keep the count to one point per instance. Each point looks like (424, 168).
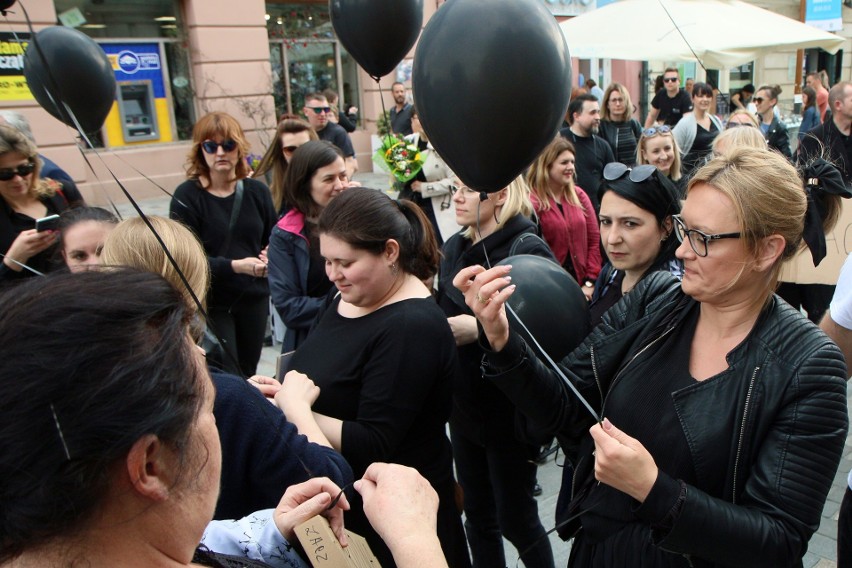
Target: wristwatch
(589, 284)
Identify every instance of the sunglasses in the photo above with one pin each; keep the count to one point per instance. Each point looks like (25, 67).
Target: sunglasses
(671, 79)
(290, 149)
(212, 147)
(320, 110)
(654, 130)
(23, 170)
(738, 125)
(616, 170)
(757, 100)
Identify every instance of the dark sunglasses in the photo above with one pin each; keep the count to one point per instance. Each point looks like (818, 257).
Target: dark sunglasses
(738, 125)
(23, 170)
(757, 100)
(320, 110)
(290, 149)
(211, 147)
(654, 130)
(670, 79)
(616, 170)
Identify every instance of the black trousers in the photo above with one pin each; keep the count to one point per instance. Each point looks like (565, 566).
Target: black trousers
(844, 531)
(242, 327)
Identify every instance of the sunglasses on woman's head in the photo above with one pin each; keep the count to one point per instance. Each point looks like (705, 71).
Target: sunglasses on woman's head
(616, 170)
(654, 130)
(23, 170)
(211, 147)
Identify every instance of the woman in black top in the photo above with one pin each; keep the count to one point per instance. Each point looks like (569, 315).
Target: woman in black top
(25, 198)
(636, 231)
(493, 463)
(773, 129)
(618, 127)
(232, 215)
(382, 355)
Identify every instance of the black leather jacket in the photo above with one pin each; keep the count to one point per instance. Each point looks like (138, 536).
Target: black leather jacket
(609, 132)
(778, 139)
(785, 396)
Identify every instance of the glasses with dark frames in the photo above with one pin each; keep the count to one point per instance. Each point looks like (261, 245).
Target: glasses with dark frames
(698, 240)
(23, 170)
(320, 110)
(670, 79)
(211, 147)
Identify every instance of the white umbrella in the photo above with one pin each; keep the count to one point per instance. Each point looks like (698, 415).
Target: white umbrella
(722, 33)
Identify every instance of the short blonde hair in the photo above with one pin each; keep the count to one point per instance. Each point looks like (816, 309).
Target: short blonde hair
(739, 138)
(768, 199)
(133, 244)
(752, 119)
(517, 203)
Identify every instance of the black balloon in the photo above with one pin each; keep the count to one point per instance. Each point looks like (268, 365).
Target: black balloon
(377, 33)
(491, 83)
(6, 4)
(74, 70)
(550, 303)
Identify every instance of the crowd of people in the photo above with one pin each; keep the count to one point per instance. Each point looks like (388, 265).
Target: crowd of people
(705, 417)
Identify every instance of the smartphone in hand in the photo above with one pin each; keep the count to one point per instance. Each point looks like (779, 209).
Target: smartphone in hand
(49, 223)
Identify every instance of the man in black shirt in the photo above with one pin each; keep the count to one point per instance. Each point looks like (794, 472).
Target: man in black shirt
(592, 152)
(670, 104)
(317, 110)
(400, 114)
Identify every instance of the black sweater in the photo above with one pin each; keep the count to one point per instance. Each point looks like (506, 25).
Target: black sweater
(209, 216)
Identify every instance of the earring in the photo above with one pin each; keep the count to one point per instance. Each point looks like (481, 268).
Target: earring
(394, 269)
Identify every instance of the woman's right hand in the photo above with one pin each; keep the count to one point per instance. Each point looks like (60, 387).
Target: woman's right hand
(26, 245)
(252, 266)
(297, 394)
(485, 293)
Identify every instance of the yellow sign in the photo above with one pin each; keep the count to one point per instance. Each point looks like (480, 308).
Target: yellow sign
(13, 84)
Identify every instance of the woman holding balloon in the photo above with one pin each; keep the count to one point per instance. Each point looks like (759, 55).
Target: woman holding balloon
(493, 464)
(715, 414)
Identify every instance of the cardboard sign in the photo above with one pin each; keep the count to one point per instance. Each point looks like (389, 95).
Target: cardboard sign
(324, 551)
(838, 244)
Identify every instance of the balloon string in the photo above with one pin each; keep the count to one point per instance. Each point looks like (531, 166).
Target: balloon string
(384, 111)
(135, 169)
(686, 41)
(541, 350)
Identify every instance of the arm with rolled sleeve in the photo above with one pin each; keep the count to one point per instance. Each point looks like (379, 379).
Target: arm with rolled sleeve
(255, 537)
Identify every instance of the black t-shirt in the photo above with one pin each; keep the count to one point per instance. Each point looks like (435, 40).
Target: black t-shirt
(700, 148)
(335, 134)
(671, 109)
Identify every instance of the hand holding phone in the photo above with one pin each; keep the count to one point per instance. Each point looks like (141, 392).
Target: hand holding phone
(49, 223)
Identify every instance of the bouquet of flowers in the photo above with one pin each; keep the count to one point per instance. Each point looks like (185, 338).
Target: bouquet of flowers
(399, 157)
(253, 161)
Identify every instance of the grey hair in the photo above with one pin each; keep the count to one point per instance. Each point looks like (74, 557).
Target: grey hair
(19, 122)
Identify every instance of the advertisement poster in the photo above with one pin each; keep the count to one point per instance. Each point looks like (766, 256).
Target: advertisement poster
(13, 85)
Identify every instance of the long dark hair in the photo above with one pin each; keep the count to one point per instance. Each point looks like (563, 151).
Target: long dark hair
(366, 219)
(811, 93)
(306, 160)
(92, 362)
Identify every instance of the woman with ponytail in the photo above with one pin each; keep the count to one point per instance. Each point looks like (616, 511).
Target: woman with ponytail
(375, 375)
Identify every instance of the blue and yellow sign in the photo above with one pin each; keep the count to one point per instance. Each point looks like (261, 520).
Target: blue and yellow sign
(137, 64)
(13, 84)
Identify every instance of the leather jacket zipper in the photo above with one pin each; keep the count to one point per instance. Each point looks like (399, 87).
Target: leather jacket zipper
(621, 371)
(595, 373)
(742, 433)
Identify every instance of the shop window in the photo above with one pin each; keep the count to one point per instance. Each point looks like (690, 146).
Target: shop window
(306, 57)
(147, 45)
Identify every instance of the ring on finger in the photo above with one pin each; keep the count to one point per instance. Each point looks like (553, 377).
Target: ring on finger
(482, 300)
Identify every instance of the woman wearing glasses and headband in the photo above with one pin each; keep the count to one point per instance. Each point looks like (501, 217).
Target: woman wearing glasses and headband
(292, 132)
(25, 198)
(297, 278)
(695, 131)
(492, 463)
(717, 412)
(618, 127)
(232, 215)
(657, 146)
(772, 128)
(568, 221)
(636, 232)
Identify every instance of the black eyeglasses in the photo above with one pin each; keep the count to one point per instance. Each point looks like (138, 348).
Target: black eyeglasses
(737, 125)
(670, 79)
(697, 239)
(654, 130)
(211, 147)
(23, 170)
(320, 110)
(757, 100)
(616, 170)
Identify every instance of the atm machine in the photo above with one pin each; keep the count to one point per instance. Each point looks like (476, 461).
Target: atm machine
(137, 112)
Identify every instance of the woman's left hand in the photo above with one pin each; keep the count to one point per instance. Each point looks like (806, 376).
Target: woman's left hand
(622, 462)
(416, 186)
(298, 393)
(307, 500)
